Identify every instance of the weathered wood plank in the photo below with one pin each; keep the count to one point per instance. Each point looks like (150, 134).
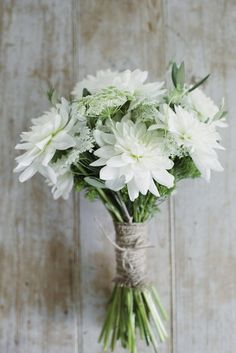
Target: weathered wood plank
(202, 33)
(45, 304)
(119, 35)
(37, 239)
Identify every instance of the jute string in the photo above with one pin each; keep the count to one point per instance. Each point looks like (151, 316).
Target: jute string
(131, 245)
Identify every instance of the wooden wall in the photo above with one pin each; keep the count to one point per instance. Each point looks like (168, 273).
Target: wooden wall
(56, 266)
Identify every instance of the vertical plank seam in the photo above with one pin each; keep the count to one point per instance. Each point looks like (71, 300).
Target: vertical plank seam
(78, 299)
(171, 210)
(173, 273)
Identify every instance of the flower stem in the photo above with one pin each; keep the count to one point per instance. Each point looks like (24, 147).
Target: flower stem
(105, 198)
(133, 310)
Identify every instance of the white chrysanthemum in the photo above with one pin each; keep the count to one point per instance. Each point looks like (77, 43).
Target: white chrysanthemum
(64, 181)
(93, 84)
(129, 81)
(169, 142)
(49, 133)
(161, 118)
(201, 104)
(199, 138)
(132, 155)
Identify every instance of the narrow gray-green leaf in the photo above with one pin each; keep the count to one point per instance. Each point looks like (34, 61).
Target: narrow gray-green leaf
(95, 182)
(199, 83)
(180, 76)
(174, 74)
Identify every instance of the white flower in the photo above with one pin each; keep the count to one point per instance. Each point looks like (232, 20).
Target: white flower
(104, 101)
(198, 138)
(49, 133)
(84, 142)
(161, 124)
(63, 184)
(203, 105)
(93, 84)
(132, 155)
(129, 81)
(161, 118)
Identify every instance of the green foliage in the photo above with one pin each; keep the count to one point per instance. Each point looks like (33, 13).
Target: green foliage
(79, 184)
(222, 112)
(52, 96)
(184, 168)
(199, 83)
(118, 203)
(164, 191)
(95, 182)
(178, 76)
(133, 311)
(143, 208)
(91, 194)
(59, 154)
(86, 93)
(120, 112)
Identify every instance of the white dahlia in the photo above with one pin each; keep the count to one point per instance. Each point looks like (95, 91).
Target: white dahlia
(132, 156)
(200, 139)
(64, 181)
(49, 133)
(129, 81)
(202, 105)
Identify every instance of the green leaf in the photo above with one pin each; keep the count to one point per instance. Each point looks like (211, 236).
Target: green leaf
(222, 115)
(79, 185)
(199, 83)
(174, 74)
(178, 75)
(98, 184)
(91, 194)
(58, 155)
(52, 96)
(86, 93)
(184, 168)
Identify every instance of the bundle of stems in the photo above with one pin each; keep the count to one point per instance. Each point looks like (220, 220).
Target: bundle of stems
(132, 311)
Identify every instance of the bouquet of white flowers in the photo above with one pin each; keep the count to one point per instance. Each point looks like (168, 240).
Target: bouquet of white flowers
(127, 143)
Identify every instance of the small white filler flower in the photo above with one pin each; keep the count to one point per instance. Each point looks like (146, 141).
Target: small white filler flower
(49, 133)
(132, 155)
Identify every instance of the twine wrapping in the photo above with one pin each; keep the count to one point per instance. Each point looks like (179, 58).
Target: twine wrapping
(131, 265)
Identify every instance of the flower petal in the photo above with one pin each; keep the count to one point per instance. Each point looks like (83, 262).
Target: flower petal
(28, 173)
(99, 162)
(153, 189)
(62, 141)
(108, 173)
(116, 161)
(163, 178)
(106, 152)
(116, 184)
(133, 191)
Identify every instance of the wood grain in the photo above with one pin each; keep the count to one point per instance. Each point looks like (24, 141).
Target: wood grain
(37, 249)
(56, 265)
(205, 250)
